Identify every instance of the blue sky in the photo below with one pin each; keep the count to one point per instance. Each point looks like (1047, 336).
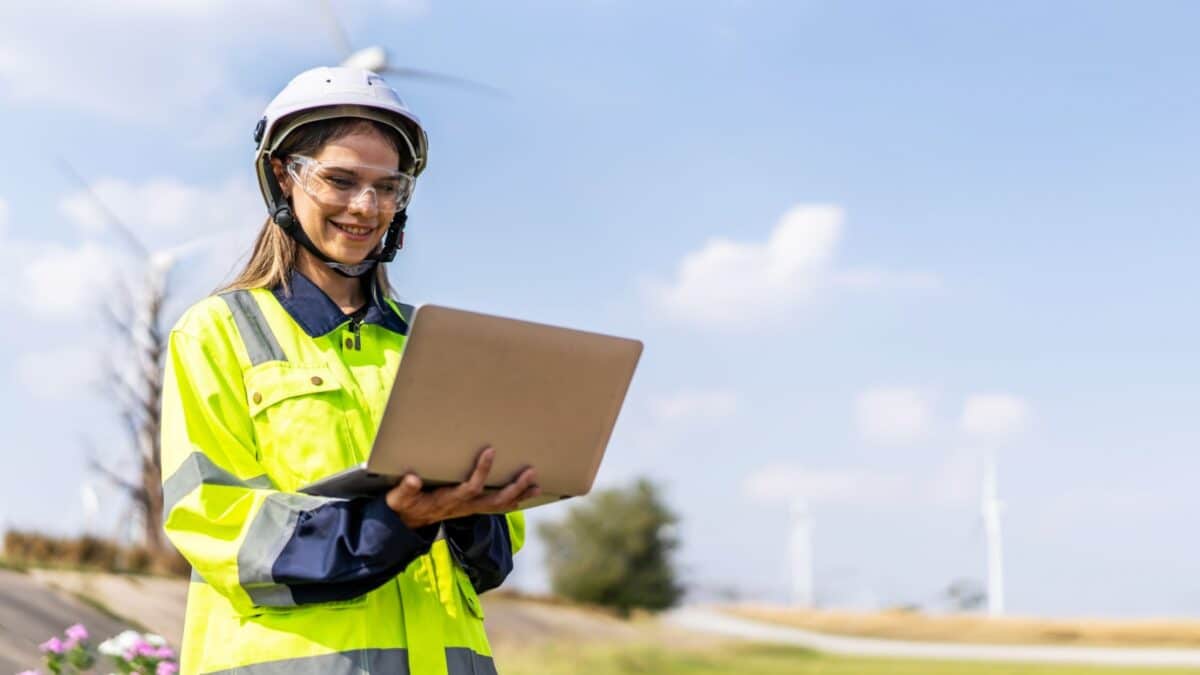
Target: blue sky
(862, 242)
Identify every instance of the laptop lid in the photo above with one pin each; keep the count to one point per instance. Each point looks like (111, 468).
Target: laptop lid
(542, 396)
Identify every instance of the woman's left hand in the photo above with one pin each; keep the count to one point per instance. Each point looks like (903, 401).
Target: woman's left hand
(417, 508)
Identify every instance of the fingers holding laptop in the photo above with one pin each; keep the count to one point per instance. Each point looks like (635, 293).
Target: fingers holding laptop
(417, 508)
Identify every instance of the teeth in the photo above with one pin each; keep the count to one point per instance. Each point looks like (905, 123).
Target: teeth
(357, 231)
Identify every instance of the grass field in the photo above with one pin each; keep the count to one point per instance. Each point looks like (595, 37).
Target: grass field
(751, 659)
(978, 629)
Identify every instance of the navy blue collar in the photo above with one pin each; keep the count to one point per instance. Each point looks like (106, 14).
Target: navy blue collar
(318, 315)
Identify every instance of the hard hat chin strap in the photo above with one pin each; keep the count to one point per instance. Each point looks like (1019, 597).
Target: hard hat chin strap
(393, 240)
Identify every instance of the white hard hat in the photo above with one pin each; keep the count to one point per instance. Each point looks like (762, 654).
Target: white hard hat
(325, 93)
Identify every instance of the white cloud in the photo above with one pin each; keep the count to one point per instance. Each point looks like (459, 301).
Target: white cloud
(57, 281)
(784, 482)
(736, 280)
(162, 210)
(207, 229)
(892, 415)
(730, 282)
(165, 63)
(694, 404)
(92, 63)
(59, 373)
(993, 416)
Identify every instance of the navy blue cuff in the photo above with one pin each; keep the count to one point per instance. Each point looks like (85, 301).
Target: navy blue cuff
(343, 549)
(481, 545)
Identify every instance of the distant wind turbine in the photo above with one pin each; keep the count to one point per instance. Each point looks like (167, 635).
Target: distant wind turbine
(91, 505)
(991, 508)
(375, 58)
(801, 546)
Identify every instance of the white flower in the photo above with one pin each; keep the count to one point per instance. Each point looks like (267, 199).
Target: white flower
(127, 639)
(155, 640)
(110, 648)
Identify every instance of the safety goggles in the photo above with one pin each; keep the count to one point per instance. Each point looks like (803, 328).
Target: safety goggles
(336, 184)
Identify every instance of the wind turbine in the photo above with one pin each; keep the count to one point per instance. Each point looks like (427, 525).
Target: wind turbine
(991, 508)
(375, 58)
(801, 549)
(91, 506)
(137, 389)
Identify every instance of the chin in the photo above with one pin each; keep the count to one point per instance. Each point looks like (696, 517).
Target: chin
(348, 255)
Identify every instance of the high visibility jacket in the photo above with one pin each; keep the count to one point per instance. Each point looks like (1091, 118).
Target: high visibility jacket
(266, 391)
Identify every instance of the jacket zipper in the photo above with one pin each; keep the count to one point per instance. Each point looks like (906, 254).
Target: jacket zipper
(356, 320)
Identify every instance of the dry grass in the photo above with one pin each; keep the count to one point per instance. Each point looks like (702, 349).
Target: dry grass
(33, 549)
(984, 630)
(758, 659)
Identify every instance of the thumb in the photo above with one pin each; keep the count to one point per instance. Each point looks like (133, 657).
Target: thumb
(408, 487)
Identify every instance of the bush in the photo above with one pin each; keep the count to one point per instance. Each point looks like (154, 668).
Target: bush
(88, 552)
(615, 550)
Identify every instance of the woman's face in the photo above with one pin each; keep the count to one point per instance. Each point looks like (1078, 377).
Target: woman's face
(347, 233)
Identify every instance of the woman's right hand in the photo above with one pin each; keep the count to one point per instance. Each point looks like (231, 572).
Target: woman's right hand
(418, 509)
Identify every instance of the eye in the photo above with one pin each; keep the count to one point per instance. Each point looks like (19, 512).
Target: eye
(339, 182)
(387, 188)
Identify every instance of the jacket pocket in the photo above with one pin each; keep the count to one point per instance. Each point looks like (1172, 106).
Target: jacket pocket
(273, 382)
(300, 422)
(258, 611)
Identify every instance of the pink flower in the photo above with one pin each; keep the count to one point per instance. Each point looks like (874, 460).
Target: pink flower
(163, 653)
(77, 633)
(52, 646)
(166, 668)
(144, 649)
(29, 672)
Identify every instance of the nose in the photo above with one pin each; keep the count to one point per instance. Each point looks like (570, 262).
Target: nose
(366, 203)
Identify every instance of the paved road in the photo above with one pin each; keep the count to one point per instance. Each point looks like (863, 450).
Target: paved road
(712, 621)
(30, 613)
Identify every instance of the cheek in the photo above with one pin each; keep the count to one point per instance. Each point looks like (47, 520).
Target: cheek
(384, 221)
(312, 219)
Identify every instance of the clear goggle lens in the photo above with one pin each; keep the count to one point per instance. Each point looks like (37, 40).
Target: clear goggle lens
(340, 185)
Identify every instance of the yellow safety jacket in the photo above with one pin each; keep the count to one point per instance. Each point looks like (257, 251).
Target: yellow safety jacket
(266, 391)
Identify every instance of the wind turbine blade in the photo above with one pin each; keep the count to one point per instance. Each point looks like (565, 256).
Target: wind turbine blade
(336, 30)
(166, 257)
(462, 82)
(130, 238)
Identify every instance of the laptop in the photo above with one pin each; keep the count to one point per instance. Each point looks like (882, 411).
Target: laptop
(542, 396)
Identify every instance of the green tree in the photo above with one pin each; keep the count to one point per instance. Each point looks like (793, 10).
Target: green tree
(615, 549)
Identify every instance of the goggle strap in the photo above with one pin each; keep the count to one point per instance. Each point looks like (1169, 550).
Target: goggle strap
(393, 241)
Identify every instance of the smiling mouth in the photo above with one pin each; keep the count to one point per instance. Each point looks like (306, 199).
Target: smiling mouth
(352, 230)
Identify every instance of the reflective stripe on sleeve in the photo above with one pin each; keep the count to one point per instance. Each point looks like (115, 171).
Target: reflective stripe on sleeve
(261, 345)
(459, 661)
(196, 470)
(271, 529)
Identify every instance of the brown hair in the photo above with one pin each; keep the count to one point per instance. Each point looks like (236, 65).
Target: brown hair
(275, 253)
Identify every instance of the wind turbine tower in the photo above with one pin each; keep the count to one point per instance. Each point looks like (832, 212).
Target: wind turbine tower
(991, 525)
(801, 554)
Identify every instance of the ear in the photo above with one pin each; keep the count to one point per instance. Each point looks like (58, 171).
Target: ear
(285, 181)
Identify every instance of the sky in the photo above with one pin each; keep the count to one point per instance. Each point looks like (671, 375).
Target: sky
(864, 243)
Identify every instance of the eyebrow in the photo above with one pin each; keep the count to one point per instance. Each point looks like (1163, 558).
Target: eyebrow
(394, 175)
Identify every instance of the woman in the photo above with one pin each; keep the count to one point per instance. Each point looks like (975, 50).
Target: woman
(281, 380)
